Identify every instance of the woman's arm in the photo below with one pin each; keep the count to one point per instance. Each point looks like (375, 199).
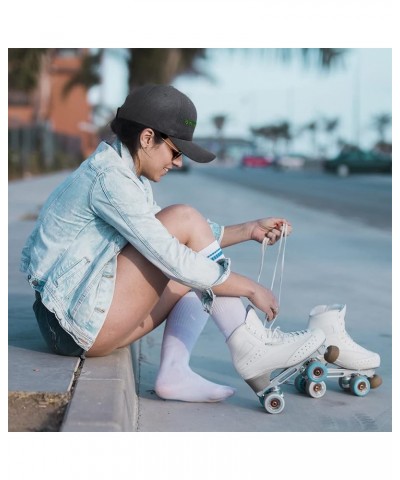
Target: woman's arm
(237, 285)
(254, 230)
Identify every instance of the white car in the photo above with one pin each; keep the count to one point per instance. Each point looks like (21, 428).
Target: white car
(290, 162)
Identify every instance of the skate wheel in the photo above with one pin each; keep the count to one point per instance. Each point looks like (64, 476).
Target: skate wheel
(300, 384)
(316, 389)
(359, 385)
(274, 403)
(375, 381)
(331, 354)
(316, 372)
(344, 382)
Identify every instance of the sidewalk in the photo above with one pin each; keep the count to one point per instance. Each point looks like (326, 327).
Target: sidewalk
(104, 393)
(328, 260)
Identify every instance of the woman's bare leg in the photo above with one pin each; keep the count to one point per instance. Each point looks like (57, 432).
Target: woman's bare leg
(139, 303)
(171, 295)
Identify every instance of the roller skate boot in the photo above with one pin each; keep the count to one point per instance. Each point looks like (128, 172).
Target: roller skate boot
(355, 365)
(257, 352)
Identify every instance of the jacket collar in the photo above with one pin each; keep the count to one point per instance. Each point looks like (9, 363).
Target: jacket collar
(124, 153)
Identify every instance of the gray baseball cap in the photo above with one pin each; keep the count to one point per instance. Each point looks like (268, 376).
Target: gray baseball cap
(168, 111)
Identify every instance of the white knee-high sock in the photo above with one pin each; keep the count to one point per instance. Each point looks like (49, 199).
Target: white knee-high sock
(175, 379)
(228, 313)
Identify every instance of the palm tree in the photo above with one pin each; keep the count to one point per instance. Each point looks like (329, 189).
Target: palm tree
(88, 75)
(24, 66)
(322, 58)
(157, 65)
(219, 122)
(274, 133)
(162, 65)
(330, 126)
(285, 134)
(312, 128)
(380, 123)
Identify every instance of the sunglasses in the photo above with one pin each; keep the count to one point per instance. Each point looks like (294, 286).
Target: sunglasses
(175, 153)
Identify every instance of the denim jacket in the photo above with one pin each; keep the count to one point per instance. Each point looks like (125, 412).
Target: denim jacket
(70, 258)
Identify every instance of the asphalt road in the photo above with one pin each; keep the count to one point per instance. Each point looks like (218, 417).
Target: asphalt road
(329, 259)
(363, 198)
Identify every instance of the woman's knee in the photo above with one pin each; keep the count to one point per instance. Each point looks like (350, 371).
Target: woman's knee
(180, 212)
(186, 223)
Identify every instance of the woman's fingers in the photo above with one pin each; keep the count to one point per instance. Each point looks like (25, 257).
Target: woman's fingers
(272, 314)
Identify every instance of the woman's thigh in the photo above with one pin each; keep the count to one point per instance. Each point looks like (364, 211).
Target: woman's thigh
(143, 295)
(138, 287)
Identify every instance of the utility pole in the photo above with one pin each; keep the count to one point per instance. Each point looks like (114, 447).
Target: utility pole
(356, 98)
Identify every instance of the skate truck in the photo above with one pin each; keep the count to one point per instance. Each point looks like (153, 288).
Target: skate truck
(354, 365)
(310, 378)
(357, 382)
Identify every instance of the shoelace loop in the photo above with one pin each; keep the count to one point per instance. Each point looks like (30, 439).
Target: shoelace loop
(280, 255)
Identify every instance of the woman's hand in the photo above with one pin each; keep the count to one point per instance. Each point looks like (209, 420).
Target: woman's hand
(237, 285)
(265, 300)
(270, 228)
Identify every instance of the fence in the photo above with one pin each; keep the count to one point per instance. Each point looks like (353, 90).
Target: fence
(36, 149)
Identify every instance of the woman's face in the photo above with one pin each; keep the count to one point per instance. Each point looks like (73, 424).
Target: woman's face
(155, 160)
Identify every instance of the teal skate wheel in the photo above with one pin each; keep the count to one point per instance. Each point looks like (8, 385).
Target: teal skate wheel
(359, 385)
(274, 403)
(315, 389)
(316, 371)
(300, 384)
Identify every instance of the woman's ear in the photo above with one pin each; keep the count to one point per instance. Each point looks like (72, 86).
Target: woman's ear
(146, 137)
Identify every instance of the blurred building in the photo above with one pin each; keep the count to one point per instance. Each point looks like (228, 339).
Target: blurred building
(66, 114)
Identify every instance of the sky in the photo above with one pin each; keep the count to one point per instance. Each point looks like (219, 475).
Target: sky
(254, 90)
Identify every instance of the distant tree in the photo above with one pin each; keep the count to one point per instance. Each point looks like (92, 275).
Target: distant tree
(24, 66)
(330, 126)
(285, 134)
(162, 65)
(274, 133)
(88, 75)
(324, 59)
(219, 122)
(158, 65)
(312, 128)
(381, 123)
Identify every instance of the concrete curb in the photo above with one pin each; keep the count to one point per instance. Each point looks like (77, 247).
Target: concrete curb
(105, 397)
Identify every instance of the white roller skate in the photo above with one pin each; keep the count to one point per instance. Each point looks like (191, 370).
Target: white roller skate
(355, 365)
(258, 351)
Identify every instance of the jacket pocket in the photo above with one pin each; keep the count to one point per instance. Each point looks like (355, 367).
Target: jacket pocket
(69, 279)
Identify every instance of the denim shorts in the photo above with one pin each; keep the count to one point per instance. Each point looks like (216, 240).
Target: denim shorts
(56, 338)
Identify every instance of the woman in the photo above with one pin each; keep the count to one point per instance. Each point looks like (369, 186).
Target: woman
(108, 265)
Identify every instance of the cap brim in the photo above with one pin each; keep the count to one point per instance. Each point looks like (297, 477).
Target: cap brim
(193, 151)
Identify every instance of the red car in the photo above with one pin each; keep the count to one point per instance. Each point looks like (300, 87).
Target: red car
(256, 161)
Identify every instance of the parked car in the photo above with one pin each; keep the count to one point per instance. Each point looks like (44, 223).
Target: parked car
(359, 161)
(291, 161)
(256, 161)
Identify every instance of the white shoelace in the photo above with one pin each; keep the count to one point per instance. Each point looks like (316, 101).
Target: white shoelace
(280, 255)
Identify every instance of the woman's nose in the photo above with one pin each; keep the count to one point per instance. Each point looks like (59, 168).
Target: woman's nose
(177, 162)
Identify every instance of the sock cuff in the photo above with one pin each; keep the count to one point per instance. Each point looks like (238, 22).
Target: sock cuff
(213, 251)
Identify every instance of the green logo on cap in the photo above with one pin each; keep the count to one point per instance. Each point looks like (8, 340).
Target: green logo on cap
(190, 123)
